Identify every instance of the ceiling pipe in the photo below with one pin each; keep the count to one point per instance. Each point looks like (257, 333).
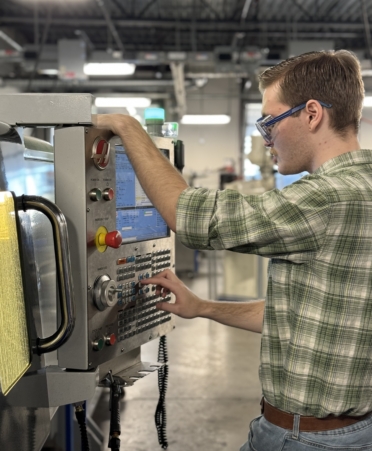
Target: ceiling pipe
(111, 25)
(245, 10)
(216, 75)
(179, 87)
(240, 34)
(10, 41)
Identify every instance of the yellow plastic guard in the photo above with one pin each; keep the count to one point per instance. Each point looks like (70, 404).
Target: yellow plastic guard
(14, 343)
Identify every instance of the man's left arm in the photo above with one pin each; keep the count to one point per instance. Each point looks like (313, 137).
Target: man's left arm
(161, 182)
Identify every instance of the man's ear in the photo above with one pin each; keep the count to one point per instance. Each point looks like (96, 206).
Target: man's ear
(314, 114)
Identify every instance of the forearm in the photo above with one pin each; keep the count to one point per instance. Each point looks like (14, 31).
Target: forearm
(162, 183)
(242, 315)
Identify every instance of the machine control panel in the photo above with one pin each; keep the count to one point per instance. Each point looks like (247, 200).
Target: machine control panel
(127, 241)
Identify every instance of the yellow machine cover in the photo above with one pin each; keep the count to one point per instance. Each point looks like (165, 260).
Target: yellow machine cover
(14, 342)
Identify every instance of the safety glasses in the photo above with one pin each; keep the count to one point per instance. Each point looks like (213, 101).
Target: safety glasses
(266, 124)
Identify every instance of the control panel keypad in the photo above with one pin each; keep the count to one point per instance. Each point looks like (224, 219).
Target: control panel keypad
(142, 317)
(140, 313)
(147, 265)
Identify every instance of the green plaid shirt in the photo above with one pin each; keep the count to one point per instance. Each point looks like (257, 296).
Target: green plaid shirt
(316, 349)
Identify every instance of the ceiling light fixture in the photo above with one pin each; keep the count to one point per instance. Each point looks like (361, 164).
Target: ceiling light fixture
(122, 102)
(48, 71)
(205, 119)
(109, 69)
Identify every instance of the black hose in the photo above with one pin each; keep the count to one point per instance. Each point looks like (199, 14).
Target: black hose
(80, 417)
(160, 413)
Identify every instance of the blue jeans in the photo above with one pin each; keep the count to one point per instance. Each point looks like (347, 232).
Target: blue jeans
(265, 436)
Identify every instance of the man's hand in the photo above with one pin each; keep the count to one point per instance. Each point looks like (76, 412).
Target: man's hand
(119, 124)
(187, 304)
(243, 315)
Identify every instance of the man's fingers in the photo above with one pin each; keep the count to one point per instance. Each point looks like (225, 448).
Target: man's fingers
(167, 307)
(167, 274)
(161, 282)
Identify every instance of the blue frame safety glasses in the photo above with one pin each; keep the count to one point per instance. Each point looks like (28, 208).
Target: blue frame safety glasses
(265, 124)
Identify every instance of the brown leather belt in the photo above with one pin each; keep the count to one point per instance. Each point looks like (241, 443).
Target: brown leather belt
(307, 424)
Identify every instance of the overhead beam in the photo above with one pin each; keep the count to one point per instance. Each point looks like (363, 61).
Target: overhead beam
(90, 84)
(185, 24)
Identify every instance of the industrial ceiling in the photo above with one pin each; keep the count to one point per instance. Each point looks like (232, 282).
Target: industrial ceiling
(169, 39)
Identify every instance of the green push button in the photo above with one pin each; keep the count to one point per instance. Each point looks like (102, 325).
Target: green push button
(98, 344)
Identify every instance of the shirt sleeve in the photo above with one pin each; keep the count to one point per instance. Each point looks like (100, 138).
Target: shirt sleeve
(290, 223)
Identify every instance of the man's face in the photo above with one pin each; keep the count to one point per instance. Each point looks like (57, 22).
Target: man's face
(288, 146)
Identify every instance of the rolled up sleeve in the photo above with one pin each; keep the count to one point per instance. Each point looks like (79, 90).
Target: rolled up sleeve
(276, 223)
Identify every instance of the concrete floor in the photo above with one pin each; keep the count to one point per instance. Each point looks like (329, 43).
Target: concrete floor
(213, 390)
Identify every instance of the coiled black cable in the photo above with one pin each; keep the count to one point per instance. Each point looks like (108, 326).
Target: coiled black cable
(160, 413)
(80, 417)
(116, 385)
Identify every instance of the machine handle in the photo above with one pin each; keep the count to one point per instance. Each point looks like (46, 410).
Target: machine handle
(63, 270)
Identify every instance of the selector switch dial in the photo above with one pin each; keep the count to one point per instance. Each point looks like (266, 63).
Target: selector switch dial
(104, 292)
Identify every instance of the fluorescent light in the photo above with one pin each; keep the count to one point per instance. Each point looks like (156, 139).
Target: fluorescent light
(109, 69)
(122, 102)
(367, 101)
(205, 119)
(48, 71)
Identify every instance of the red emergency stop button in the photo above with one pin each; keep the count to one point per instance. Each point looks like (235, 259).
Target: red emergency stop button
(110, 340)
(108, 194)
(113, 239)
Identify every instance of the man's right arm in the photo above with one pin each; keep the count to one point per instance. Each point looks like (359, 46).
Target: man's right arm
(243, 315)
(161, 182)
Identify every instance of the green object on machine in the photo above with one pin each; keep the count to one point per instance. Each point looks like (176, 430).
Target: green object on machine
(154, 116)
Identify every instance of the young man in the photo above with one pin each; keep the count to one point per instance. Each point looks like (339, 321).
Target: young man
(316, 321)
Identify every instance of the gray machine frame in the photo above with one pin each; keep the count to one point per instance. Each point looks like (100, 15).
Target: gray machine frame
(75, 175)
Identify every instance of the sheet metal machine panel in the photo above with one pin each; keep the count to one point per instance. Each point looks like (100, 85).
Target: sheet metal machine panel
(100, 196)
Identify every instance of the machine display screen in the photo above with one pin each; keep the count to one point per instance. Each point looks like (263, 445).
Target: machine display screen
(136, 217)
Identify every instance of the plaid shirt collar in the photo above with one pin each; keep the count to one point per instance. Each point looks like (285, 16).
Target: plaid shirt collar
(360, 156)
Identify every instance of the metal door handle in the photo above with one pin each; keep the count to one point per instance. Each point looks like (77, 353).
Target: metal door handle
(63, 270)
